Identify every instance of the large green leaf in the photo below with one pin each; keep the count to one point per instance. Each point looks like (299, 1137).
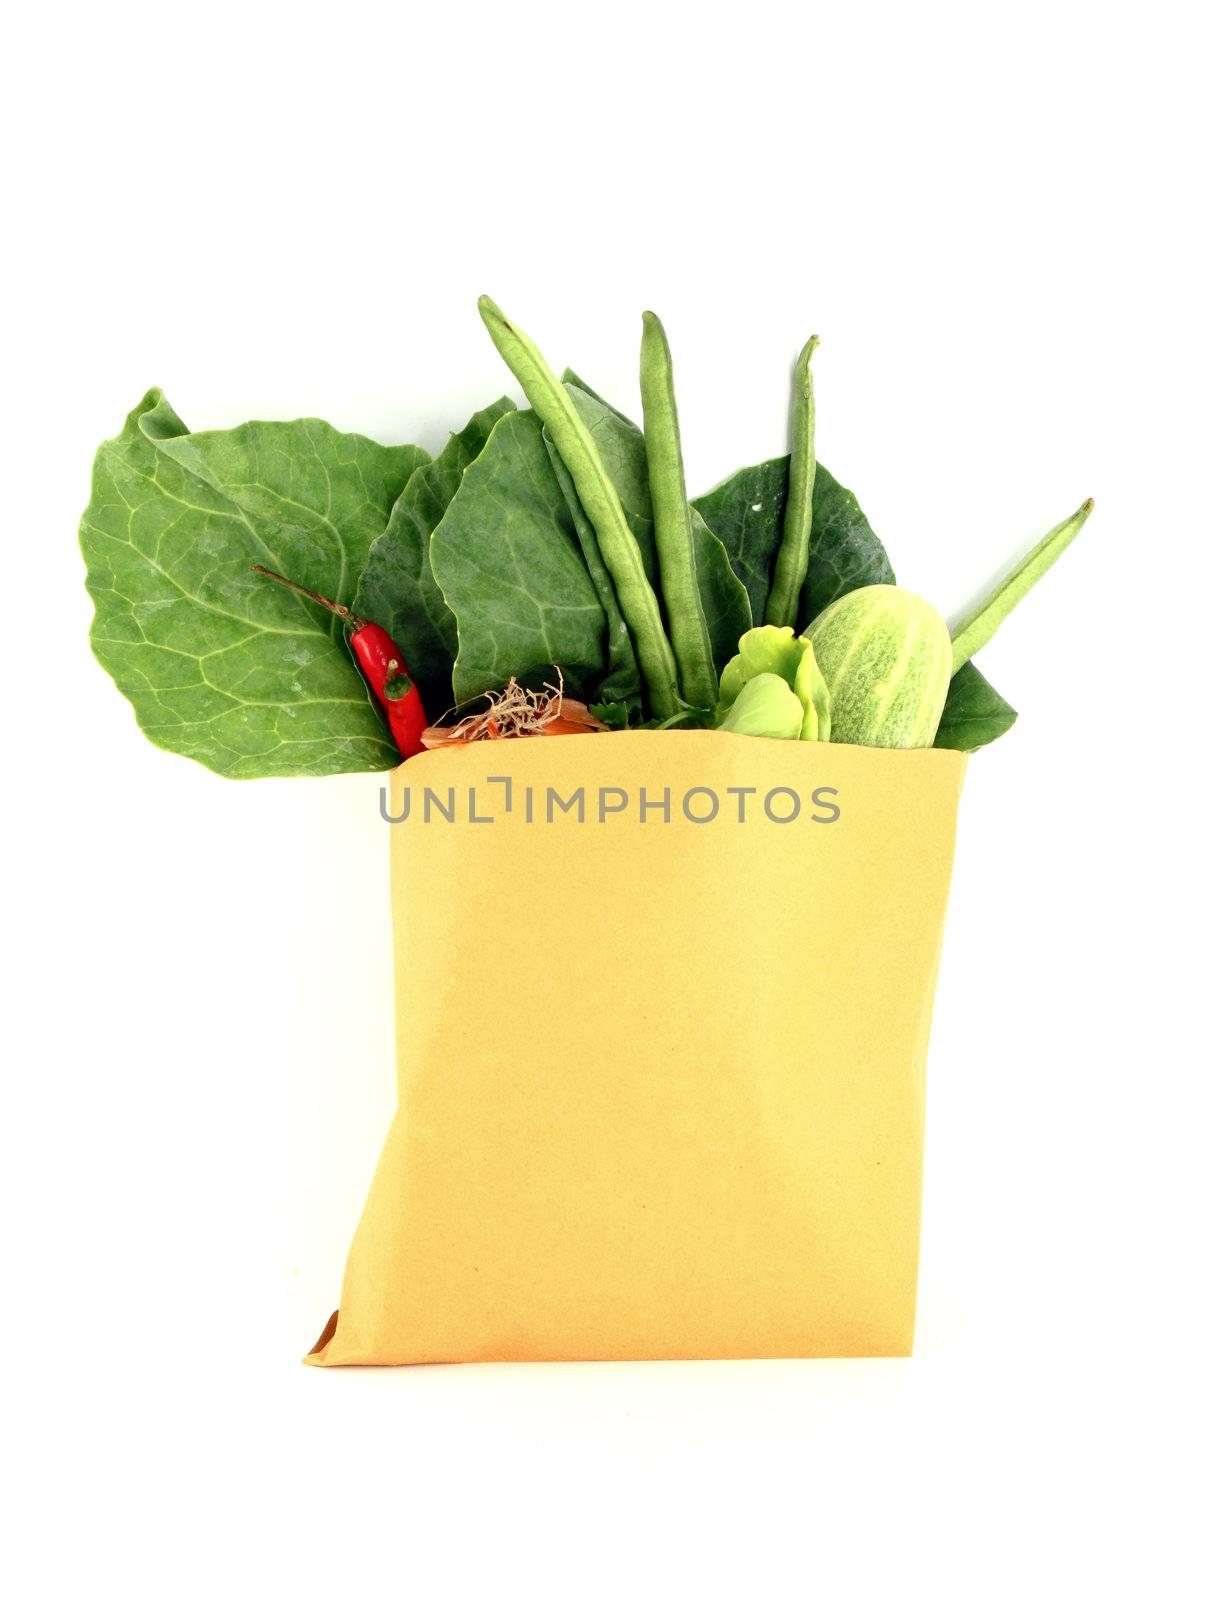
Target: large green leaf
(974, 714)
(398, 589)
(218, 664)
(572, 379)
(745, 511)
(620, 445)
(845, 552)
(724, 600)
(508, 562)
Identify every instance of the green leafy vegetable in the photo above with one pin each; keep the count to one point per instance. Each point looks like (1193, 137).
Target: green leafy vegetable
(612, 714)
(767, 707)
(770, 652)
(974, 714)
(508, 562)
(746, 512)
(397, 588)
(724, 598)
(814, 696)
(558, 538)
(846, 554)
(219, 666)
(770, 649)
(576, 382)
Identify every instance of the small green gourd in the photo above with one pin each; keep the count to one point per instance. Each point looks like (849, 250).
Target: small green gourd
(886, 656)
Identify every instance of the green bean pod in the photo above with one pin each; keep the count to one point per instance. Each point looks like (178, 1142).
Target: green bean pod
(973, 632)
(790, 569)
(636, 598)
(671, 514)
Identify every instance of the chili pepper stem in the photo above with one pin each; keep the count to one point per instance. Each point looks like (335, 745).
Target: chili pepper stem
(343, 612)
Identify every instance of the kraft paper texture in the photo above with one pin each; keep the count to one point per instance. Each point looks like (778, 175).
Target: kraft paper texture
(661, 1080)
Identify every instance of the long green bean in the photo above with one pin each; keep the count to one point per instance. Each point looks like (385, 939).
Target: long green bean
(671, 513)
(636, 598)
(782, 606)
(973, 632)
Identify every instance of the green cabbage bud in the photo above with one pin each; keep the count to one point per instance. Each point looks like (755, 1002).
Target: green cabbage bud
(775, 652)
(766, 705)
(814, 696)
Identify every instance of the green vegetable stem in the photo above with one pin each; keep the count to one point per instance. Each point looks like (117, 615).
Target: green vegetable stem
(671, 512)
(636, 598)
(782, 607)
(973, 632)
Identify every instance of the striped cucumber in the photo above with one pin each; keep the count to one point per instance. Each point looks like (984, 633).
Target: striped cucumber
(886, 656)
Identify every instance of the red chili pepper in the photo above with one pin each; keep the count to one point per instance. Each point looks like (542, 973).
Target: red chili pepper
(381, 661)
(379, 658)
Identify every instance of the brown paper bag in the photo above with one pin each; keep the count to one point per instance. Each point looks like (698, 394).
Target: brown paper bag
(663, 1003)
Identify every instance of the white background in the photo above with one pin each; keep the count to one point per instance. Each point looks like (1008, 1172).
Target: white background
(993, 217)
